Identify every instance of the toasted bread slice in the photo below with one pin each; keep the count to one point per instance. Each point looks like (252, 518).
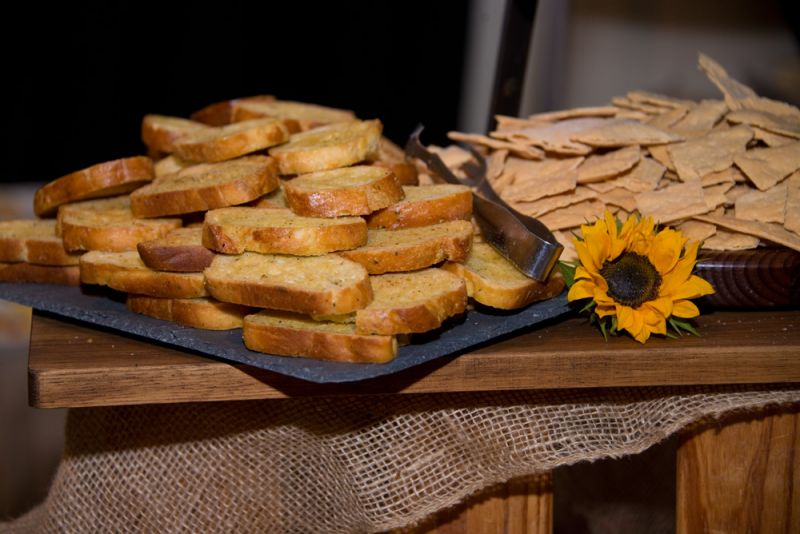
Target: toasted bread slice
(221, 113)
(207, 186)
(418, 301)
(111, 229)
(329, 147)
(279, 231)
(425, 205)
(295, 335)
(306, 284)
(274, 200)
(410, 249)
(298, 116)
(493, 281)
(125, 271)
(23, 272)
(170, 165)
(356, 190)
(100, 204)
(393, 158)
(231, 141)
(180, 250)
(161, 132)
(33, 241)
(102, 180)
(205, 313)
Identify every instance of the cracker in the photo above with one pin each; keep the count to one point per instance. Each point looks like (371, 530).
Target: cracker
(764, 206)
(548, 204)
(723, 240)
(715, 195)
(668, 118)
(643, 177)
(673, 202)
(663, 101)
(772, 123)
(768, 138)
(533, 181)
(735, 192)
(627, 103)
(701, 118)
(696, 230)
(569, 253)
(769, 231)
(712, 152)
(574, 215)
(791, 218)
(553, 116)
(495, 164)
(517, 149)
(601, 166)
(661, 155)
(731, 174)
(767, 166)
(729, 87)
(555, 137)
(452, 156)
(620, 197)
(624, 133)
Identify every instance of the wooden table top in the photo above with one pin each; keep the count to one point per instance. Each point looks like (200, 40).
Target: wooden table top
(74, 365)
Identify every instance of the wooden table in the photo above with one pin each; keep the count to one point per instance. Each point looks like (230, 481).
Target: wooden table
(72, 365)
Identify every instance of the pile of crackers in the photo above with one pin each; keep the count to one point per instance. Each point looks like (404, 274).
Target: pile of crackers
(725, 172)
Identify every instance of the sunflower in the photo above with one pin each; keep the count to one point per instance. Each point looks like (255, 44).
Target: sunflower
(638, 278)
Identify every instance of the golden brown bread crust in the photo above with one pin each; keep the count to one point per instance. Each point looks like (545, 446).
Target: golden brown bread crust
(409, 249)
(298, 116)
(329, 147)
(279, 231)
(161, 132)
(207, 186)
(100, 204)
(180, 250)
(405, 303)
(231, 141)
(296, 336)
(21, 272)
(425, 205)
(311, 284)
(493, 281)
(102, 180)
(125, 271)
(112, 230)
(221, 113)
(204, 313)
(33, 241)
(394, 158)
(356, 190)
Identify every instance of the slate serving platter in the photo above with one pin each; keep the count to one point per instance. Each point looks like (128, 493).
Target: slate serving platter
(476, 327)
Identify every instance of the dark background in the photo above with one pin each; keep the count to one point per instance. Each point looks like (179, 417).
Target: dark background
(79, 78)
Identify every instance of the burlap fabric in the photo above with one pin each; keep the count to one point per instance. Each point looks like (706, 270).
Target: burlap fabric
(346, 465)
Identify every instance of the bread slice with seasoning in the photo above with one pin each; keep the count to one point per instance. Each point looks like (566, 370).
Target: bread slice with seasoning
(425, 205)
(320, 285)
(392, 157)
(205, 313)
(113, 229)
(493, 281)
(33, 241)
(329, 147)
(296, 335)
(161, 132)
(413, 302)
(221, 113)
(125, 271)
(102, 180)
(207, 186)
(170, 165)
(23, 272)
(180, 250)
(298, 116)
(99, 204)
(231, 141)
(358, 190)
(410, 249)
(280, 231)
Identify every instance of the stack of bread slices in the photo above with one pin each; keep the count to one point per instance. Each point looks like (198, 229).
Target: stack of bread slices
(298, 223)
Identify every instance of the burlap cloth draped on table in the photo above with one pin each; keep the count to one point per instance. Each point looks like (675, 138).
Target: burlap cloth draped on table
(360, 464)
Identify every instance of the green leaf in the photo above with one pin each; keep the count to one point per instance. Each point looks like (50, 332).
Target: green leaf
(670, 335)
(603, 329)
(686, 326)
(589, 306)
(614, 325)
(568, 271)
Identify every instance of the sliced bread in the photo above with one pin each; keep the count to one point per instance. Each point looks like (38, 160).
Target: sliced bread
(102, 180)
(231, 141)
(280, 231)
(161, 132)
(425, 205)
(99, 204)
(409, 249)
(394, 158)
(221, 113)
(204, 312)
(312, 284)
(329, 147)
(274, 200)
(295, 335)
(298, 116)
(33, 241)
(125, 271)
(170, 165)
(493, 281)
(180, 250)
(358, 190)
(417, 301)
(22, 272)
(205, 187)
(111, 229)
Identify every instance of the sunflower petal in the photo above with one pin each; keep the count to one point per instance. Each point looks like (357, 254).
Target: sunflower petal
(666, 250)
(582, 289)
(693, 288)
(674, 279)
(661, 305)
(625, 319)
(685, 309)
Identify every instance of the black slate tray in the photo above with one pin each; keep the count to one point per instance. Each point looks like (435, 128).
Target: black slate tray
(478, 326)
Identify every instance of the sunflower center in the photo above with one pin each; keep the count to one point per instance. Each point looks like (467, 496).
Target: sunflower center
(632, 279)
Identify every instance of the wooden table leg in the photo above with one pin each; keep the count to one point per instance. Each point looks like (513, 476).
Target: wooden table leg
(523, 506)
(741, 477)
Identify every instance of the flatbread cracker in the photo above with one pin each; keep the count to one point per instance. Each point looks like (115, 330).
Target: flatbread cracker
(555, 137)
(601, 166)
(715, 195)
(769, 231)
(771, 139)
(668, 118)
(712, 152)
(735, 192)
(643, 177)
(663, 101)
(791, 218)
(764, 206)
(627, 103)
(767, 166)
(560, 115)
(674, 202)
(522, 151)
(625, 133)
(453, 156)
(724, 240)
(572, 216)
(621, 198)
(548, 204)
(661, 155)
(731, 174)
(696, 230)
(569, 253)
(495, 164)
(772, 123)
(701, 118)
(733, 90)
